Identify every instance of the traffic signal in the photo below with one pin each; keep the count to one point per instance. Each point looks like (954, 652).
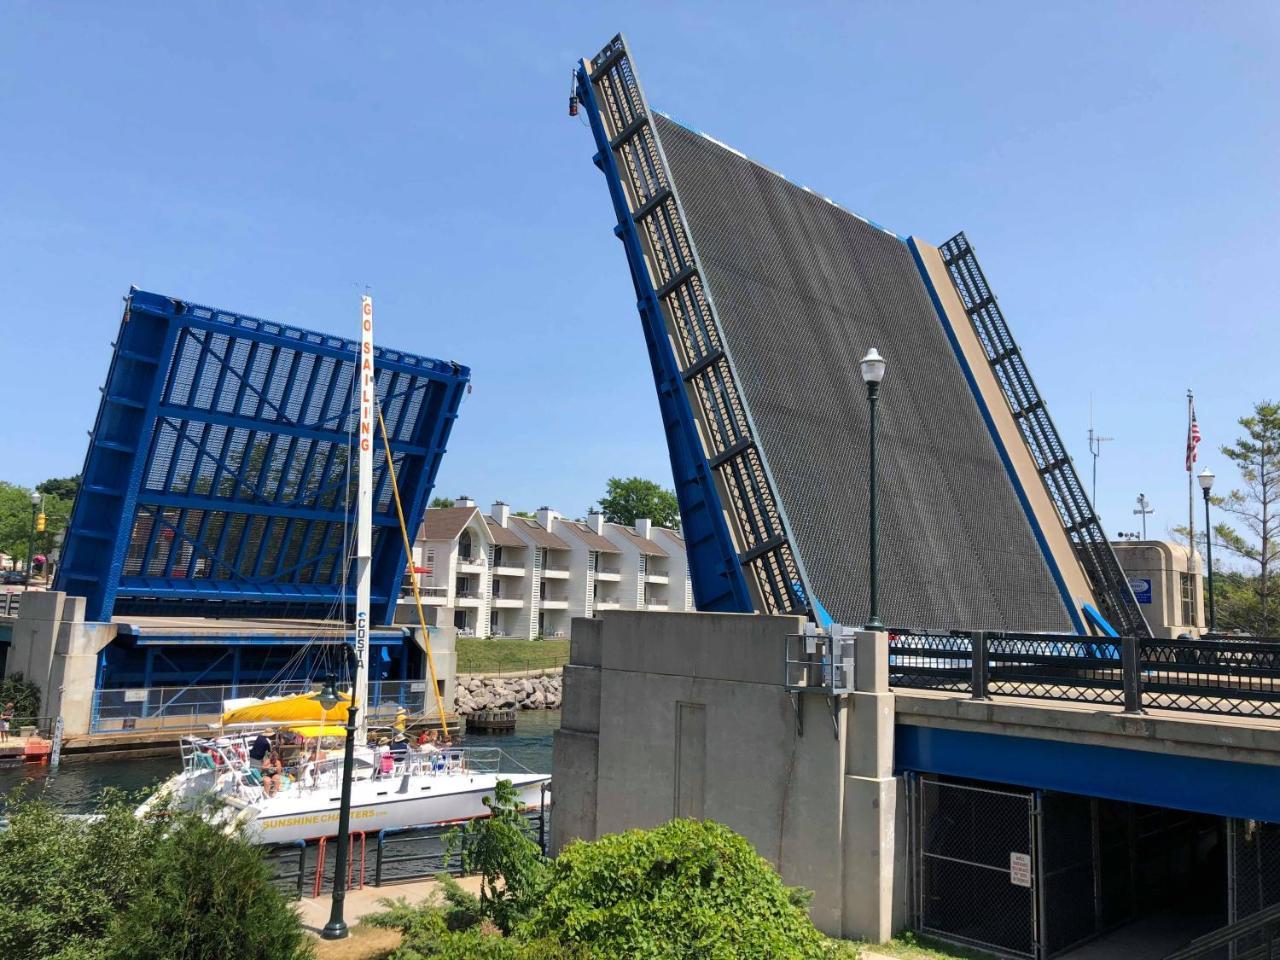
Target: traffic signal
(40, 523)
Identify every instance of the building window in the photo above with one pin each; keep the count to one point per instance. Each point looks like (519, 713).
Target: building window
(497, 556)
(1188, 599)
(462, 585)
(464, 546)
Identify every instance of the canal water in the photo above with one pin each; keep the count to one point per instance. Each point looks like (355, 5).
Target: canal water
(77, 783)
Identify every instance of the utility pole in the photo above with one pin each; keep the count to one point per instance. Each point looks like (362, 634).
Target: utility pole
(1144, 509)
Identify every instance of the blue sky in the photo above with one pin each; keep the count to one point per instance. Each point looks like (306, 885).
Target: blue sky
(1116, 166)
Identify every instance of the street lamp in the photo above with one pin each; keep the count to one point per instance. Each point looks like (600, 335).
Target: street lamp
(31, 538)
(872, 373)
(1206, 484)
(336, 928)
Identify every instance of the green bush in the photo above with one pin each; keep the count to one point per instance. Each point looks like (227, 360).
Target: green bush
(686, 889)
(118, 887)
(206, 896)
(500, 850)
(62, 881)
(24, 695)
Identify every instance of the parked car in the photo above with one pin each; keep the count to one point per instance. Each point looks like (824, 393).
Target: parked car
(13, 578)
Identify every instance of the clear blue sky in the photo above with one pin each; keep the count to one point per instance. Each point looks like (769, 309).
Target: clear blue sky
(1116, 165)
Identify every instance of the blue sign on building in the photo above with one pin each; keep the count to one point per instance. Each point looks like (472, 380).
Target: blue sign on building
(1141, 588)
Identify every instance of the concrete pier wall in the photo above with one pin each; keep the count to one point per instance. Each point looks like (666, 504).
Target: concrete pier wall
(670, 715)
(57, 650)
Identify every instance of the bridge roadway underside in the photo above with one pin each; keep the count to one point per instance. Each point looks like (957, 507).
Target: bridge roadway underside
(1224, 765)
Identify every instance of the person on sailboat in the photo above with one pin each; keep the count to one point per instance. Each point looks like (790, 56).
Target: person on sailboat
(259, 749)
(272, 774)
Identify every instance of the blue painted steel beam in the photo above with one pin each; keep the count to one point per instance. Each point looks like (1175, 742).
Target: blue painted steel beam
(714, 568)
(163, 378)
(1226, 788)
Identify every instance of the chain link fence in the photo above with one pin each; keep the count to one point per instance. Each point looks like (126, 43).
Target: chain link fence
(974, 853)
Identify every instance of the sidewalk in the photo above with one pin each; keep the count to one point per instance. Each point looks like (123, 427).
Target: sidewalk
(361, 903)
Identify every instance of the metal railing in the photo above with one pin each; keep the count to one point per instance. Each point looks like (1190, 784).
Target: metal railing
(10, 602)
(167, 708)
(1240, 678)
(398, 855)
(1256, 937)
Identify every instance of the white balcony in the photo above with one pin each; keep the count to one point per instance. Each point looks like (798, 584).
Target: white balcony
(508, 603)
(507, 570)
(613, 576)
(550, 604)
(607, 603)
(469, 600)
(656, 607)
(555, 572)
(431, 596)
(656, 576)
(471, 565)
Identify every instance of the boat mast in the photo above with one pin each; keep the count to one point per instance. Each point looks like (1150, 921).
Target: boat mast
(364, 517)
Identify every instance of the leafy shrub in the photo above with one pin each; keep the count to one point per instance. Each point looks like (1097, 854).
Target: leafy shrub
(118, 887)
(25, 697)
(206, 896)
(62, 881)
(499, 848)
(686, 889)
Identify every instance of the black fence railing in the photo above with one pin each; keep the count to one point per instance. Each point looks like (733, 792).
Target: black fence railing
(1223, 676)
(389, 856)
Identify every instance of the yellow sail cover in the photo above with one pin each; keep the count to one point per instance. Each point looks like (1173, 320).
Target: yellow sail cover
(304, 708)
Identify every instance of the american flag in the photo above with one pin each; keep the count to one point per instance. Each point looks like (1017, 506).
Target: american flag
(1193, 438)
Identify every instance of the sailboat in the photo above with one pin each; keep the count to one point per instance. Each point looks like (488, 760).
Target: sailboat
(393, 786)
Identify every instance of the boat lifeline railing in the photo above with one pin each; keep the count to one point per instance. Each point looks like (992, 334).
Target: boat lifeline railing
(227, 759)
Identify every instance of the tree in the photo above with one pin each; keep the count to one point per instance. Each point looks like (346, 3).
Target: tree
(441, 503)
(64, 488)
(1256, 506)
(626, 501)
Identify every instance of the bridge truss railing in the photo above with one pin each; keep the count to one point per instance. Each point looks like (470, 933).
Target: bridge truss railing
(1238, 678)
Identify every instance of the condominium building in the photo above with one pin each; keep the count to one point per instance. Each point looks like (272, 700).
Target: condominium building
(502, 575)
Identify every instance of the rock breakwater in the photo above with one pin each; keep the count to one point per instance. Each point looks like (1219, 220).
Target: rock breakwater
(540, 692)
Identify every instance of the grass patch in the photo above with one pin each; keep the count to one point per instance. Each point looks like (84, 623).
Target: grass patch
(510, 656)
(911, 946)
(365, 943)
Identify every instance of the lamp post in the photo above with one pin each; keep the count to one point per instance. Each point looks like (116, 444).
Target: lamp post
(336, 928)
(872, 373)
(31, 538)
(1206, 484)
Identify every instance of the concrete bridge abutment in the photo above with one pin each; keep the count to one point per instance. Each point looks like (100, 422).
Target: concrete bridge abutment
(669, 715)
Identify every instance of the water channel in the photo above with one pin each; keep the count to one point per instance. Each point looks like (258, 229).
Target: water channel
(77, 783)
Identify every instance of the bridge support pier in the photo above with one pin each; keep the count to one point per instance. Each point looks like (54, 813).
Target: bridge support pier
(874, 837)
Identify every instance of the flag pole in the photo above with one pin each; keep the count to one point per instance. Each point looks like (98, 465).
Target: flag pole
(1191, 500)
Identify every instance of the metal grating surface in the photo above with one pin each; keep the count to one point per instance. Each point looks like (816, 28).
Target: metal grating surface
(216, 481)
(1109, 582)
(801, 289)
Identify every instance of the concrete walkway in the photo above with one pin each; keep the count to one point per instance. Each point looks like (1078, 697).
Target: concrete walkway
(360, 903)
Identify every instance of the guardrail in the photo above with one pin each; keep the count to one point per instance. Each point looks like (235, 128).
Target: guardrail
(164, 708)
(1221, 676)
(398, 855)
(10, 603)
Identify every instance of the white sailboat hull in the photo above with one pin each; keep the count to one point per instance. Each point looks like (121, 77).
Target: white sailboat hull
(403, 801)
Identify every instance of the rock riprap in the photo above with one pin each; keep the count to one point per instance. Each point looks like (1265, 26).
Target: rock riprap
(507, 693)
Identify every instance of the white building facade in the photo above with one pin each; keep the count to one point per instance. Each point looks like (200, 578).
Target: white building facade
(501, 575)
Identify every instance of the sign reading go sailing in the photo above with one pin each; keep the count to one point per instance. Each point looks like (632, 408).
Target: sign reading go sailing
(1020, 869)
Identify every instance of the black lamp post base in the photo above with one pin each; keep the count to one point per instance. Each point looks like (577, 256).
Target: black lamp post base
(334, 930)
(874, 624)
